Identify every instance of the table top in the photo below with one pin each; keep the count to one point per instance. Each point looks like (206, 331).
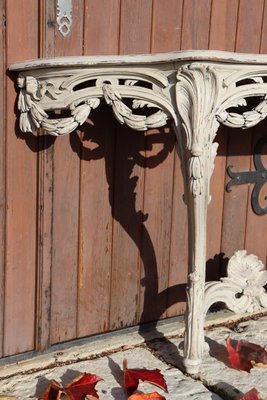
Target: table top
(139, 59)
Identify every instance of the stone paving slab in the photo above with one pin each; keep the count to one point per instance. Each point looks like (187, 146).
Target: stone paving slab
(216, 372)
(31, 386)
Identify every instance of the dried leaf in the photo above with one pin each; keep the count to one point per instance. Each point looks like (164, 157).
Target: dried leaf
(77, 389)
(53, 392)
(82, 386)
(253, 394)
(244, 355)
(133, 376)
(146, 396)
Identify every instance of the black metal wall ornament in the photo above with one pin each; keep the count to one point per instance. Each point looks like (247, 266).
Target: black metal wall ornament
(258, 177)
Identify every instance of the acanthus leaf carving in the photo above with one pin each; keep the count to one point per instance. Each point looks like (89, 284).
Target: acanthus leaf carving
(243, 288)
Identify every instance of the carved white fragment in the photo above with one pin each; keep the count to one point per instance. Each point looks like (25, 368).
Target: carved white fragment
(243, 288)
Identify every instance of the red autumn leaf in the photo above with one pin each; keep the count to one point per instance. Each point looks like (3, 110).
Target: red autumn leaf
(78, 389)
(244, 355)
(133, 376)
(253, 394)
(146, 396)
(82, 386)
(53, 392)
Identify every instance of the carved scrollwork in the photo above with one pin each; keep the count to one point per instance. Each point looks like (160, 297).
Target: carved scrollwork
(243, 288)
(82, 92)
(125, 115)
(33, 116)
(238, 87)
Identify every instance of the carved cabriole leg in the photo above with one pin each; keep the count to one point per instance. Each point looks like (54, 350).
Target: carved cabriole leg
(195, 96)
(203, 95)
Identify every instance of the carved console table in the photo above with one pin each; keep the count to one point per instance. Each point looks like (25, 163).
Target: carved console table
(198, 91)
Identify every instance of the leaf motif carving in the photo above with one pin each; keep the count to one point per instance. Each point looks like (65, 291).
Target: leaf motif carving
(126, 116)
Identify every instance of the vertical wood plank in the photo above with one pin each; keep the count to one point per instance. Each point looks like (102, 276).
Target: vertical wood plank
(263, 42)
(224, 14)
(101, 30)
(249, 34)
(135, 26)
(196, 24)
(223, 24)
(66, 208)
(178, 269)
(135, 30)
(215, 208)
(21, 192)
(256, 225)
(159, 183)
(156, 232)
(45, 196)
(166, 25)
(235, 203)
(2, 171)
(128, 219)
(96, 223)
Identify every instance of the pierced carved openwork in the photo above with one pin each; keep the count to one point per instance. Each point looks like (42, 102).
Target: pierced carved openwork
(81, 92)
(198, 91)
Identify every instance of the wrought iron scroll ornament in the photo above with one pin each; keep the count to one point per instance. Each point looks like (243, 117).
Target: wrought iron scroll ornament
(257, 177)
(64, 16)
(198, 95)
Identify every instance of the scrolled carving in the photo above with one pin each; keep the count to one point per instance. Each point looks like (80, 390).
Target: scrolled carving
(81, 92)
(64, 126)
(243, 288)
(126, 116)
(247, 119)
(33, 116)
(237, 88)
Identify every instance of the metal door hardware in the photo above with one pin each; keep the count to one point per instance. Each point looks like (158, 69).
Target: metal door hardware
(64, 16)
(257, 177)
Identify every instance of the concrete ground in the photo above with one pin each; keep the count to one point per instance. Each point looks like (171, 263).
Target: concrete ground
(153, 348)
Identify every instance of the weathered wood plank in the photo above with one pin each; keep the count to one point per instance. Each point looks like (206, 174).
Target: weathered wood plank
(166, 26)
(135, 30)
(256, 225)
(223, 24)
(223, 38)
(196, 24)
(248, 34)
(156, 230)
(21, 180)
(97, 166)
(135, 26)
(215, 208)
(45, 196)
(158, 198)
(102, 20)
(2, 171)
(66, 208)
(235, 203)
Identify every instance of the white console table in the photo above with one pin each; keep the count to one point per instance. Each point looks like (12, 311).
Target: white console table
(198, 91)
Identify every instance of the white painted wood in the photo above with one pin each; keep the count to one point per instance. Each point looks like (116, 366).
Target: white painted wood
(195, 89)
